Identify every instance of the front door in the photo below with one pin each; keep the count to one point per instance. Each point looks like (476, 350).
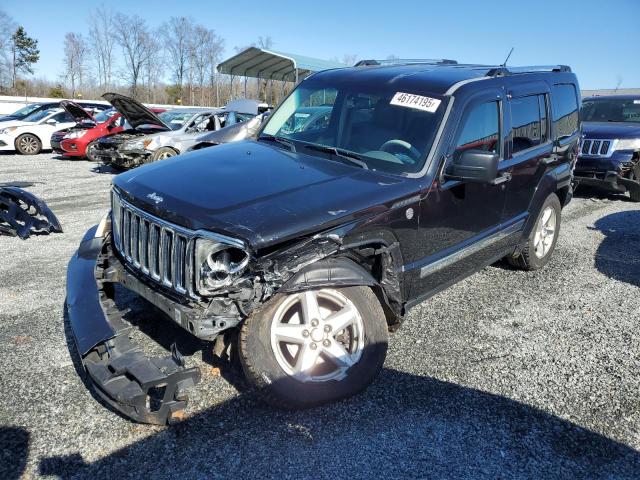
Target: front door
(459, 225)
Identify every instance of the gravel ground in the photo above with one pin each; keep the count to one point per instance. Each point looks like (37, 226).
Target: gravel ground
(505, 375)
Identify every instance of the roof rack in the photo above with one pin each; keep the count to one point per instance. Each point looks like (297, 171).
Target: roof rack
(503, 71)
(404, 61)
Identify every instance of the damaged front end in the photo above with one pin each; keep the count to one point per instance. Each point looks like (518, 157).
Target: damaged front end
(23, 214)
(206, 283)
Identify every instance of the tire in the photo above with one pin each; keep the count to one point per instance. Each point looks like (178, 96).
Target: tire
(163, 153)
(89, 152)
(28, 144)
(635, 176)
(535, 254)
(270, 363)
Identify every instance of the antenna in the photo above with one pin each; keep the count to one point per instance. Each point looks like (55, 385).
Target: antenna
(505, 60)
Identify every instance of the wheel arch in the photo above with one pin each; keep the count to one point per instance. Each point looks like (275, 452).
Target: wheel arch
(373, 264)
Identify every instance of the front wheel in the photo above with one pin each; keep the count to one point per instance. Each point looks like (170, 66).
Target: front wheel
(313, 347)
(28, 144)
(163, 153)
(542, 240)
(90, 152)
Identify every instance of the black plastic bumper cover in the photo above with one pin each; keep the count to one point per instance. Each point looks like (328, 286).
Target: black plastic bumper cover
(148, 390)
(610, 181)
(22, 213)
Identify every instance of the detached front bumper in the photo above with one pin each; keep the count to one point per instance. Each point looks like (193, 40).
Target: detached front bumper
(148, 390)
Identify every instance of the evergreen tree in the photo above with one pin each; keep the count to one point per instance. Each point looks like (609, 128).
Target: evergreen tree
(25, 53)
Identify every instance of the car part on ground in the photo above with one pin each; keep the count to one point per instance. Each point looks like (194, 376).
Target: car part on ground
(609, 156)
(311, 241)
(23, 214)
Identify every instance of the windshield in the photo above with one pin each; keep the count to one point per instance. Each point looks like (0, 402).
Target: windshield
(24, 111)
(611, 110)
(175, 119)
(37, 116)
(383, 128)
(105, 115)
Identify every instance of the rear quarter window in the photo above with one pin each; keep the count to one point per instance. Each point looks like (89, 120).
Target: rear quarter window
(565, 109)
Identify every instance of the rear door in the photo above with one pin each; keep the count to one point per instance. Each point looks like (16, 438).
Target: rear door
(529, 146)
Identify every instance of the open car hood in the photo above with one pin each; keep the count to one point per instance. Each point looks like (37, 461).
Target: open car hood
(78, 113)
(135, 113)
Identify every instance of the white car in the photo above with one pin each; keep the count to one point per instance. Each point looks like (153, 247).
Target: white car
(33, 134)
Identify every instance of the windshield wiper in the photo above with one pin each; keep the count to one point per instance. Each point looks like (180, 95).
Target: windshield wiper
(352, 157)
(280, 140)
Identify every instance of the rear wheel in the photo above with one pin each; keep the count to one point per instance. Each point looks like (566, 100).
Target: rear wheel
(542, 240)
(163, 153)
(308, 348)
(28, 144)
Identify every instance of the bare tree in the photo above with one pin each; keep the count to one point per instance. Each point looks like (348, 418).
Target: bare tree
(152, 69)
(135, 41)
(7, 27)
(177, 34)
(101, 28)
(214, 49)
(75, 59)
(265, 43)
(349, 59)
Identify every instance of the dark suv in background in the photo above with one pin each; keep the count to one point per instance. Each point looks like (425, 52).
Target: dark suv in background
(300, 251)
(610, 152)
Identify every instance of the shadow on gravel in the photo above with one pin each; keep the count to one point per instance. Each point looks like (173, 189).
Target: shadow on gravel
(403, 425)
(14, 450)
(618, 256)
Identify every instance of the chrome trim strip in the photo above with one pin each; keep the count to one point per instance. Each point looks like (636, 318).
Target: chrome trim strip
(591, 141)
(461, 83)
(471, 249)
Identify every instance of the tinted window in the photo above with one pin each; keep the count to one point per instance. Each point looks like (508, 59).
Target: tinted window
(480, 129)
(611, 110)
(565, 110)
(526, 122)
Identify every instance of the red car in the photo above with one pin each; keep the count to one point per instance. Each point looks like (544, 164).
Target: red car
(78, 141)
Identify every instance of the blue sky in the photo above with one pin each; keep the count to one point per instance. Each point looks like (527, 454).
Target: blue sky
(598, 39)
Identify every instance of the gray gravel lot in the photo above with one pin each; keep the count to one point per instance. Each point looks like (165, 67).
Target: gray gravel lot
(506, 375)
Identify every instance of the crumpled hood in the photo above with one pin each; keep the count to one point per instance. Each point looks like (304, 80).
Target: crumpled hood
(604, 130)
(258, 192)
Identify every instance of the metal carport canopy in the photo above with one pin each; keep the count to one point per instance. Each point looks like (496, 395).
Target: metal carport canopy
(271, 65)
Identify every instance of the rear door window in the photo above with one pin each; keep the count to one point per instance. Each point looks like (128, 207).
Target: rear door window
(565, 109)
(528, 122)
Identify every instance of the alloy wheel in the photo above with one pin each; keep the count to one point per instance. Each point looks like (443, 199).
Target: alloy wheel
(29, 144)
(545, 232)
(317, 335)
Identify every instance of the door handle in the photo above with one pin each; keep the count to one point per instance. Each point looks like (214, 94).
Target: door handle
(503, 178)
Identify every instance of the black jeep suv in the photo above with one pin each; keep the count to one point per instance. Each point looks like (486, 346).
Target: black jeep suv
(609, 156)
(305, 247)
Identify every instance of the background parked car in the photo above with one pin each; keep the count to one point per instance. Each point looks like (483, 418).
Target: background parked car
(33, 134)
(609, 156)
(33, 108)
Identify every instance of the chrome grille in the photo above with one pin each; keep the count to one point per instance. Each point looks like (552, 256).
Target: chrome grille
(596, 148)
(160, 250)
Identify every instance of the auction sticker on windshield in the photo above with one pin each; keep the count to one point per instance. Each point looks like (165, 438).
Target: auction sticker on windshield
(409, 100)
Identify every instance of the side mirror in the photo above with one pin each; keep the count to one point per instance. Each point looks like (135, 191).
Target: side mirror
(51, 121)
(476, 166)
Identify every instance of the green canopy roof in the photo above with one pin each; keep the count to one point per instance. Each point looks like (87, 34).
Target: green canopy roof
(271, 65)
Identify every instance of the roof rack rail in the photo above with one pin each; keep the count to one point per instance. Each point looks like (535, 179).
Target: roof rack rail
(502, 70)
(404, 61)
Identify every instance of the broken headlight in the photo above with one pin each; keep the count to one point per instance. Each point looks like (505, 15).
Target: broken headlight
(217, 264)
(136, 144)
